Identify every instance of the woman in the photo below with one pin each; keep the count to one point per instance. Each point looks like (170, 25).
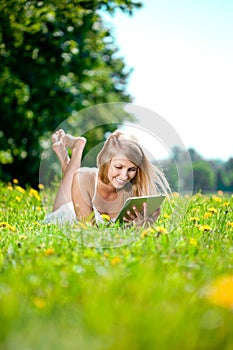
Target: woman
(123, 171)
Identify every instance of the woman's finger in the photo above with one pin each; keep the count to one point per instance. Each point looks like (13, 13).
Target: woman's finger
(156, 214)
(145, 212)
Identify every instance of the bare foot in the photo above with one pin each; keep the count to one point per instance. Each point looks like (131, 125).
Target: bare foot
(60, 149)
(71, 141)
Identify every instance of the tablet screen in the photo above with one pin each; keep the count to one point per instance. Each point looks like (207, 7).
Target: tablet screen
(153, 203)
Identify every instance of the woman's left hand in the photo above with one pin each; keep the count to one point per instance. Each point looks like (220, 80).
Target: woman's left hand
(142, 219)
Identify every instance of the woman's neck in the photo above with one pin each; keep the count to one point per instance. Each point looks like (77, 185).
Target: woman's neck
(107, 192)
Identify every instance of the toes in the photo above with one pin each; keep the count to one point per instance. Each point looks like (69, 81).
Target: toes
(55, 138)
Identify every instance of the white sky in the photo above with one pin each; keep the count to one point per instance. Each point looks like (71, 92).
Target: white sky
(182, 56)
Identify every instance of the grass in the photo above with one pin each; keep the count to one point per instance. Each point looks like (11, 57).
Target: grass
(151, 289)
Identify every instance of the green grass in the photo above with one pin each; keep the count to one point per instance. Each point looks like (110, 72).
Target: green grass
(63, 288)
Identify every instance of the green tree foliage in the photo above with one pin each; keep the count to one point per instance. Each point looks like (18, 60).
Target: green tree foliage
(204, 176)
(225, 176)
(208, 175)
(56, 58)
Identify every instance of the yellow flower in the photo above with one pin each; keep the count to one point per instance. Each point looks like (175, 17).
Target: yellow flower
(212, 210)
(230, 223)
(166, 216)
(106, 217)
(204, 228)
(220, 292)
(41, 186)
(208, 215)
(217, 199)
(194, 218)
(193, 241)
(7, 225)
(15, 181)
(49, 251)
(226, 204)
(116, 260)
(18, 198)
(20, 189)
(10, 188)
(161, 229)
(39, 303)
(34, 193)
(145, 233)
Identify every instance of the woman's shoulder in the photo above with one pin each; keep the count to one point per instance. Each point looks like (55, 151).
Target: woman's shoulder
(87, 174)
(85, 179)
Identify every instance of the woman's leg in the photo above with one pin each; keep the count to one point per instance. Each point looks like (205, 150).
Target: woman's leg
(69, 165)
(60, 149)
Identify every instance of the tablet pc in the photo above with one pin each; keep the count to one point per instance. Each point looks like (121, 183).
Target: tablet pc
(153, 203)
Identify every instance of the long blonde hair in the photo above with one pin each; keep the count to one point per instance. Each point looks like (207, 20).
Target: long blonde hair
(148, 180)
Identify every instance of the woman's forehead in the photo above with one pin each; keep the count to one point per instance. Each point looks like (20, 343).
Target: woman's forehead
(122, 160)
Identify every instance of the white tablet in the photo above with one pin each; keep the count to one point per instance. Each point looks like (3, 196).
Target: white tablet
(153, 203)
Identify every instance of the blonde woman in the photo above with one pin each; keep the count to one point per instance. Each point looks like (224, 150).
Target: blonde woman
(123, 171)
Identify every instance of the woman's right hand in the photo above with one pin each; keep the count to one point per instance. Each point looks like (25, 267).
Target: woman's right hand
(141, 219)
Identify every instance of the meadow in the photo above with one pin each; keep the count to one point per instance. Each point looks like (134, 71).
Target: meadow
(65, 288)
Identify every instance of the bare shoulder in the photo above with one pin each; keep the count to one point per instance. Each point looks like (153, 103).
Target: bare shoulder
(84, 179)
(86, 173)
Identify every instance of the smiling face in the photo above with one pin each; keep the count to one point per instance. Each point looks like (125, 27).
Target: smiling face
(120, 172)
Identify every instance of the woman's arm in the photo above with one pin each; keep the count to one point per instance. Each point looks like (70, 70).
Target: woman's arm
(81, 196)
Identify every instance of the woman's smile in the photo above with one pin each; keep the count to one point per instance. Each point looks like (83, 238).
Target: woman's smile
(121, 171)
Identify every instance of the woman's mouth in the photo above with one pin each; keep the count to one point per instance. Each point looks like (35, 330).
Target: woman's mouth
(120, 181)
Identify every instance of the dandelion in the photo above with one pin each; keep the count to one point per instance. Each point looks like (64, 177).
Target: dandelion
(49, 251)
(20, 189)
(217, 199)
(230, 223)
(106, 217)
(5, 224)
(39, 302)
(166, 216)
(220, 292)
(146, 232)
(204, 228)
(226, 204)
(41, 186)
(34, 193)
(212, 210)
(161, 229)
(208, 215)
(116, 260)
(194, 218)
(193, 242)
(18, 199)
(15, 181)
(10, 188)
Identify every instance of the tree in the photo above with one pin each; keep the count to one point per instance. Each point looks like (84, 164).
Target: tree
(204, 176)
(56, 58)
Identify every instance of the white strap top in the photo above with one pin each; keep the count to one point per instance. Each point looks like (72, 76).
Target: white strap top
(99, 219)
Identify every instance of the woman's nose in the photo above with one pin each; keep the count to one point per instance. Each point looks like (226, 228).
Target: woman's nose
(124, 174)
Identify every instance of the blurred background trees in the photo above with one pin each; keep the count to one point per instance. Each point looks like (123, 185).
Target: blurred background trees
(208, 175)
(56, 58)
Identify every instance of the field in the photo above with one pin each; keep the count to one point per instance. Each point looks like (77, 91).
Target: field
(69, 288)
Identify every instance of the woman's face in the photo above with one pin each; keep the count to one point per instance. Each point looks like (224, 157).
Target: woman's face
(121, 171)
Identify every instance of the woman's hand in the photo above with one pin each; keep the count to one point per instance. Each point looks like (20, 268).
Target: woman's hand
(141, 219)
